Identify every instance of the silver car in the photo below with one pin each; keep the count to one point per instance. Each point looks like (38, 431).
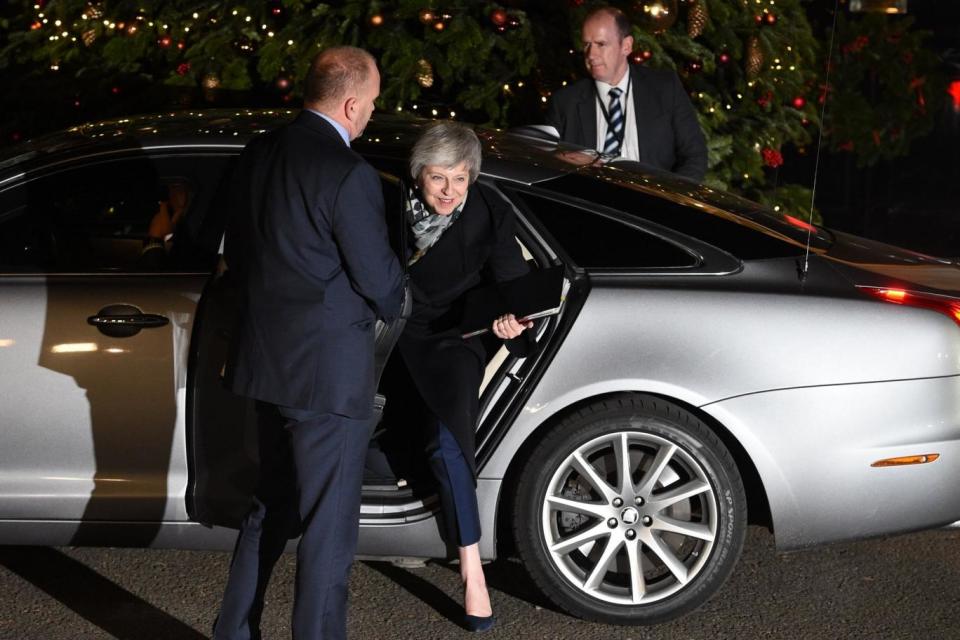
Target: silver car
(713, 363)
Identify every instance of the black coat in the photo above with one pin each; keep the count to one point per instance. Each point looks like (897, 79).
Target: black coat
(668, 133)
(479, 247)
(308, 241)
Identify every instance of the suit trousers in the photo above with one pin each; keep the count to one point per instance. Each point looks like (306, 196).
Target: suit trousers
(458, 492)
(311, 475)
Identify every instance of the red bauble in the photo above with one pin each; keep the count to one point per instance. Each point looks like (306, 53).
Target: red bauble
(695, 66)
(165, 41)
(283, 83)
(758, 18)
(647, 54)
(770, 18)
(799, 102)
(499, 17)
(115, 90)
(771, 157)
(183, 68)
(724, 58)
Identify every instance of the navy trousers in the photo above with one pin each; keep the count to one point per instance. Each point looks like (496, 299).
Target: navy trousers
(458, 493)
(311, 474)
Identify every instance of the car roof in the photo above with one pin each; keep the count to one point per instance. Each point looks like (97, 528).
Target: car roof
(507, 155)
(523, 156)
(387, 134)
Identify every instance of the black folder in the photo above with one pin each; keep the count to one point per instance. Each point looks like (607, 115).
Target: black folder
(537, 294)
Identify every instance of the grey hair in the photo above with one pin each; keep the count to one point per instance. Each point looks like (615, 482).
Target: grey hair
(335, 73)
(446, 143)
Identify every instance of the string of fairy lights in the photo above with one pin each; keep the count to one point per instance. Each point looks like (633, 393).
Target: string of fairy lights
(255, 27)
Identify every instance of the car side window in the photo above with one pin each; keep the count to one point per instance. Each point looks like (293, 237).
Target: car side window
(119, 216)
(594, 240)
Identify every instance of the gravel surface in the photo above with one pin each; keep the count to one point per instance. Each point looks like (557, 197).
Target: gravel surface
(902, 587)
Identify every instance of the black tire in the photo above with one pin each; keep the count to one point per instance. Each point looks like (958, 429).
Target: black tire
(712, 518)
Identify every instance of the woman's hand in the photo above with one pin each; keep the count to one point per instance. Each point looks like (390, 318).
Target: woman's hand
(507, 327)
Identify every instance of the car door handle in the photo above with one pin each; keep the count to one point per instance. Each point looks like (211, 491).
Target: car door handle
(125, 320)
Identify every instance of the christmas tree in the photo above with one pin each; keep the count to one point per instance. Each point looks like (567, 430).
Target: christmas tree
(750, 66)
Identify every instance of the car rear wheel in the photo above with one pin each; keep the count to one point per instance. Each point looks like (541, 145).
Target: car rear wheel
(630, 511)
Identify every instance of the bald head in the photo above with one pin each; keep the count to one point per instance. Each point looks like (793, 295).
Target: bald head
(335, 74)
(620, 22)
(343, 83)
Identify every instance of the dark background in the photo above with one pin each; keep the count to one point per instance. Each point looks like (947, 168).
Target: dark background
(911, 201)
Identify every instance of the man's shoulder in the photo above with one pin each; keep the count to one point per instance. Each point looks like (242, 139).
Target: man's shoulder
(307, 146)
(652, 77)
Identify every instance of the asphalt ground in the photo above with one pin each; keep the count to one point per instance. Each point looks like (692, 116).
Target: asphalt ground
(903, 587)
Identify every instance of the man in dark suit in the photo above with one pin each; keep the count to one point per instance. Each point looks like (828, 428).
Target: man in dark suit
(307, 242)
(628, 111)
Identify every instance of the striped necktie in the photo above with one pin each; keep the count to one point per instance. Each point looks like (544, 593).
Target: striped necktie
(611, 145)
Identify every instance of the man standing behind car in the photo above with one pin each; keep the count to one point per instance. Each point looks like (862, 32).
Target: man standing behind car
(628, 111)
(307, 241)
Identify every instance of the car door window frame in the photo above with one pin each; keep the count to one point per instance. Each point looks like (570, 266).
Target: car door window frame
(710, 261)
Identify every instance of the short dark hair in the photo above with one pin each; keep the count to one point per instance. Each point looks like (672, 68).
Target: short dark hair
(335, 73)
(624, 28)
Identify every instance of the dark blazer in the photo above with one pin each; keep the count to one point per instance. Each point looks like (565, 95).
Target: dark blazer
(479, 247)
(668, 133)
(308, 242)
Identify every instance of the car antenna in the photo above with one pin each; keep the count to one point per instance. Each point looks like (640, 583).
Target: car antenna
(816, 167)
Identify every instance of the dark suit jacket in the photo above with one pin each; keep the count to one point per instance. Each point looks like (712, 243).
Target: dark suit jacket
(447, 370)
(668, 133)
(308, 242)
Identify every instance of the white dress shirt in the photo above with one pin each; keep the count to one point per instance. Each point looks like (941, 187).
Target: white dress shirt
(630, 149)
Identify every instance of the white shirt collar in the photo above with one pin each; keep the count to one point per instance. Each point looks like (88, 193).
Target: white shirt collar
(604, 89)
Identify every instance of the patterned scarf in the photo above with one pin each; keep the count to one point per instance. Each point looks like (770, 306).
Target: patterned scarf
(426, 227)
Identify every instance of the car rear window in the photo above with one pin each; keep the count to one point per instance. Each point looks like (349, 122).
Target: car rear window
(593, 240)
(746, 237)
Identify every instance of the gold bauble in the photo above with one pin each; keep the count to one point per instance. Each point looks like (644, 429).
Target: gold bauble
(658, 15)
(210, 81)
(89, 37)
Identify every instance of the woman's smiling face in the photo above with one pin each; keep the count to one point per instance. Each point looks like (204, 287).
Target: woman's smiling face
(443, 188)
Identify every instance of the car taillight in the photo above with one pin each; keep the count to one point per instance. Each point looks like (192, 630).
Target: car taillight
(944, 304)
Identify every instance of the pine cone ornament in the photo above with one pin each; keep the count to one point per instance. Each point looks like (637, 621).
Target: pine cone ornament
(753, 57)
(696, 18)
(424, 73)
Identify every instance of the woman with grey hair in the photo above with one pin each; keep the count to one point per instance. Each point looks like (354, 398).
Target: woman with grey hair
(461, 235)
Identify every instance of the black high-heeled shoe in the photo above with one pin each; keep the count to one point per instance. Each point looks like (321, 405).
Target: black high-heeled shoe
(478, 624)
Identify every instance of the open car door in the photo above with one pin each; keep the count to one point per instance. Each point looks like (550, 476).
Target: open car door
(222, 437)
